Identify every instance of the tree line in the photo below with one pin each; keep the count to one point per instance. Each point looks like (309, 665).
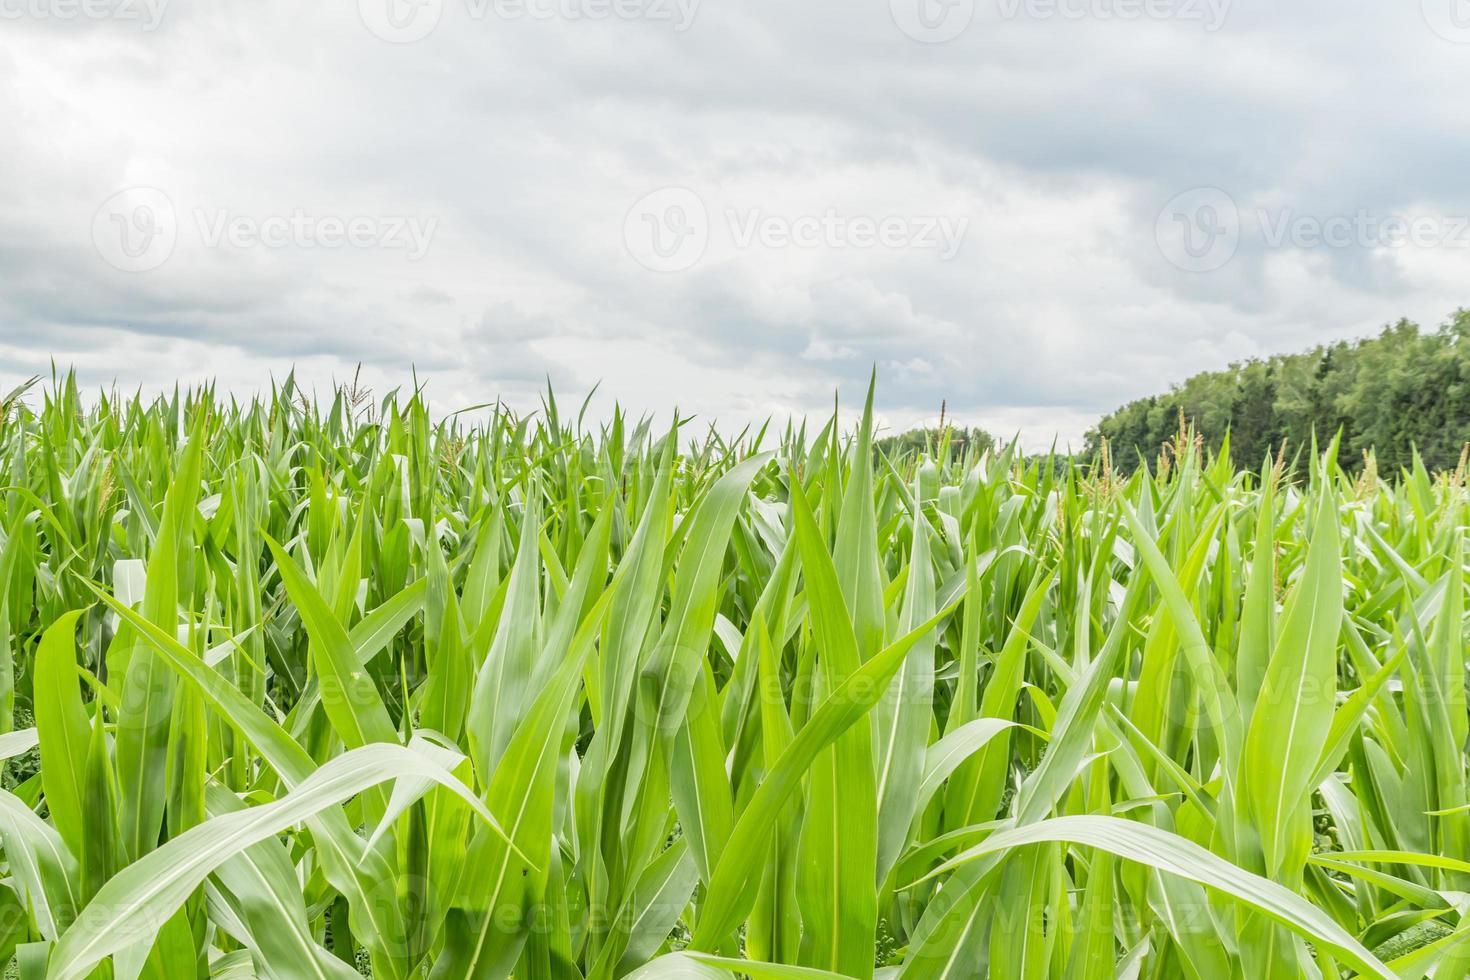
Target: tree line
(1401, 391)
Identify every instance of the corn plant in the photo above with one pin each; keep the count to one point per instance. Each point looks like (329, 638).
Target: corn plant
(328, 688)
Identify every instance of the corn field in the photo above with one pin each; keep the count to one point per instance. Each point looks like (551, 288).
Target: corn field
(300, 688)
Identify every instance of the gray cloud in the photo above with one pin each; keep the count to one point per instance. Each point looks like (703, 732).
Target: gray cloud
(524, 144)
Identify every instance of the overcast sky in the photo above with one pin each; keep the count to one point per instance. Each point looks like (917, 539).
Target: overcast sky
(1033, 209)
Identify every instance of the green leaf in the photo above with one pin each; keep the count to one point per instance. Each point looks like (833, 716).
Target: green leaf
(132, 905)
(62, 728)
(1173, 854)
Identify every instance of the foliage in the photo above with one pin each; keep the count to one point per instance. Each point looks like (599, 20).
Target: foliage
(1389, 396)
(939, 443)
(315, 685)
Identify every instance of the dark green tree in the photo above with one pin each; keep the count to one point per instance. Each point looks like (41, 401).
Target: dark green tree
(1401, 392)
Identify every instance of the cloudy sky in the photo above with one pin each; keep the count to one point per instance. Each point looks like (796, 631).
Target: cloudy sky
(1033, 209)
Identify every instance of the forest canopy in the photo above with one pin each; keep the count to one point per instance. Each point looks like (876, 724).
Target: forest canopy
(1401, 391)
